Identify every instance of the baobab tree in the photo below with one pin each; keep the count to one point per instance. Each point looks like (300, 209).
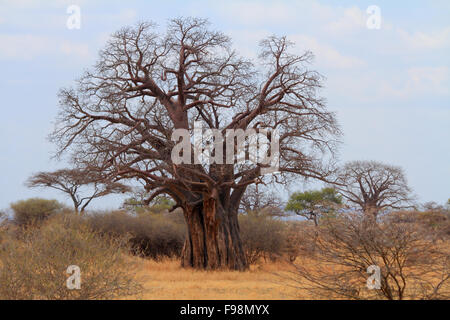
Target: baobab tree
(373, 186)
(260, 200)
(80, 185)
(121, 115)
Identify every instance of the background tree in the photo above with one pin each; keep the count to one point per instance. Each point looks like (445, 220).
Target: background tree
(313, 204)
(432, 206)
(3, 217)
(74, 181)
(139, 203)
(121, 116)
(373, 186)
(259, 200)
(34, 210)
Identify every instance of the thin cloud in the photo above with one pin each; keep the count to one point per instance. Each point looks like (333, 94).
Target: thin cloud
(420, 81)
(326, 55)
(23, 46)
(422, 40)
(27, 47)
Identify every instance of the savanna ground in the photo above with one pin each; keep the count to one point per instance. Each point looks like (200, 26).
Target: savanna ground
(167, 280)
(125, 256)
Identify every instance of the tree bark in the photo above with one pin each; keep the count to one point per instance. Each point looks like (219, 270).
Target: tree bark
(213, 240)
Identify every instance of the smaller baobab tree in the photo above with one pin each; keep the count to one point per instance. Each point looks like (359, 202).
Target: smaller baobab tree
(373, 187)
(257, 200)
(82, 186)
(312, 205)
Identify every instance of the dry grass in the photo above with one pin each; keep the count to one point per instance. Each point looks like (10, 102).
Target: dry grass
(168, 281)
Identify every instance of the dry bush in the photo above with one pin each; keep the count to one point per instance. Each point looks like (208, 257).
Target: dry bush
(411, 266)
(34, 266)
(162, 235)
(262, 237)
(298, 239)
(434, 224)
(3, 231)
(151, 235)
(33, 211)
(3, 222)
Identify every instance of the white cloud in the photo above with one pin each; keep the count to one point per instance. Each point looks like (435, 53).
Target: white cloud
(127, 15)
(48, 16)
(32, 4)
(346, 20)
(420, 81)
(367, 87)
(370, 64)
(76, 49)
(431, 76)
(120, 18)
(23, 46)
(246, 41)
(333, 22)
(27, 47)
(326, 55)
(337, 20)
(253, 12)
(421, 40)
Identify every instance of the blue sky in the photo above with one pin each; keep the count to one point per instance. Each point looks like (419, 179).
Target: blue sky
(389, 87)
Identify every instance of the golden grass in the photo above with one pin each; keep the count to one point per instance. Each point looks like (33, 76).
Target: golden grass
(166, 280)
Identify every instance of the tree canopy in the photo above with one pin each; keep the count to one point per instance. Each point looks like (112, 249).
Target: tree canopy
(373, 186)
(82, 186)
(313, 204)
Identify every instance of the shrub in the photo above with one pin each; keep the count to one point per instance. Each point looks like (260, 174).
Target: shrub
(298, 240)
(434, 224)
(34, 210)
(151, 235)
(35, 266)
(410, 266)
(262, 237)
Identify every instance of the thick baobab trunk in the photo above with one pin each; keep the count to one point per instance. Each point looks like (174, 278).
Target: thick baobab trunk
(213, 240)
(371, 212)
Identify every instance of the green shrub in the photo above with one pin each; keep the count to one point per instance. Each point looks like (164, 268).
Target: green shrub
(34, 210)
(34, 267)
(151, 235)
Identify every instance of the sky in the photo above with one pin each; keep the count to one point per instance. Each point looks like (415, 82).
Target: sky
(389, 86)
